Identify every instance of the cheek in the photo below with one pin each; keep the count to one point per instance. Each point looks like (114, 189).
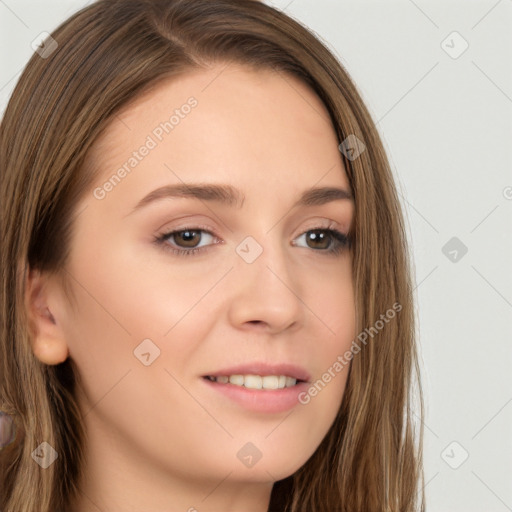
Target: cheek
(125, 307)
(141, 293)
(135, 312)
(329, 296)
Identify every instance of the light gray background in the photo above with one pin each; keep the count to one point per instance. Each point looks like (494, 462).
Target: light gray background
(447, 125)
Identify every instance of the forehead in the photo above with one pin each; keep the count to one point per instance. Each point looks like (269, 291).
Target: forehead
(229, 118)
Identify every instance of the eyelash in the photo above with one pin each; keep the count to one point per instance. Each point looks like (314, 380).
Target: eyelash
(340, 241)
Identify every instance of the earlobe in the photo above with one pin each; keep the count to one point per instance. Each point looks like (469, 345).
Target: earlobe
(50, 351)
(46, 334)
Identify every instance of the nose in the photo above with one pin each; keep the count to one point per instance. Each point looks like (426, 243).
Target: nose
(266, 294)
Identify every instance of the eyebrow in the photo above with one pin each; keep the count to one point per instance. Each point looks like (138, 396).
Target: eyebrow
(231, 196)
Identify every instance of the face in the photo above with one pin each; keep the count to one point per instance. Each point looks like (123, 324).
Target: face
(188, 283)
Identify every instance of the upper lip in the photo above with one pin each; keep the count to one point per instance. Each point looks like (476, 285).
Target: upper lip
(263, 369)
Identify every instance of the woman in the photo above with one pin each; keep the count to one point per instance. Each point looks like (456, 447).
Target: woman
(269, 369)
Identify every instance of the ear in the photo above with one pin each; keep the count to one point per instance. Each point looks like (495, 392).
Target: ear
(47, 336)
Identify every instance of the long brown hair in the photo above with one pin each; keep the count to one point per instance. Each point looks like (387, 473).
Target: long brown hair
(108, 54)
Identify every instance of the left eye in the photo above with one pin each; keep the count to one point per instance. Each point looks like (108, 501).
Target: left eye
(328, 240)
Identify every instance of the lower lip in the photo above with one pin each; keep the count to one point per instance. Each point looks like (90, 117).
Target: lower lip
(260, 400)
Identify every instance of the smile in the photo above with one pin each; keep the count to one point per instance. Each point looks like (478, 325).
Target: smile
(256, 381)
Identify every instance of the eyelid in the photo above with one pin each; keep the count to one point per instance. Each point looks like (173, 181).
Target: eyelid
(320, 224)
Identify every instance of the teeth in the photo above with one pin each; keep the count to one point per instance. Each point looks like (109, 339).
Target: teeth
(237, 380)
(253, 382)
(290, 381)
(257, 381)
(270, 382)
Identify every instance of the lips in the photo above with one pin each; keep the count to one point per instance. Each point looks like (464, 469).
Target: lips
(241, 386)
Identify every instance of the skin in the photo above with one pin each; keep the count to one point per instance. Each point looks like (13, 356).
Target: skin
(158, 438)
